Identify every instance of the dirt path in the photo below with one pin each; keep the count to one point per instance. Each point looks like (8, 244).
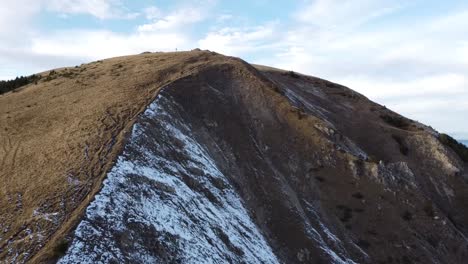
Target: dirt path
(10, 151)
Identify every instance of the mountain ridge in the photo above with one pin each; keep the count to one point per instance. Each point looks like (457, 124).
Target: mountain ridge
(311, 161)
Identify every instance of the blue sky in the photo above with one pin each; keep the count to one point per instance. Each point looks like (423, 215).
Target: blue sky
(411, 56)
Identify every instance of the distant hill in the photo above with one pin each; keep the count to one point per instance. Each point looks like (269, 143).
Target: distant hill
(465, 142)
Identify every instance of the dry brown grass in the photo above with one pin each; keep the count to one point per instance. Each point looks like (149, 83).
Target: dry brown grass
(59, 137)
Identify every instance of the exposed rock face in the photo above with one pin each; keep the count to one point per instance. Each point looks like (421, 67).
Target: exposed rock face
(255, 165)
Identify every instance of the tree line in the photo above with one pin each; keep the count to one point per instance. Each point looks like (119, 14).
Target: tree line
(6, 86)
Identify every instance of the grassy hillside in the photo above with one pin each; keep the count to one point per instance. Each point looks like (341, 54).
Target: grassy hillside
(62, 134)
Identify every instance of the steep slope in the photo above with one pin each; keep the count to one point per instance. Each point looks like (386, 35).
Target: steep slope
(165, 201)
(222, 162)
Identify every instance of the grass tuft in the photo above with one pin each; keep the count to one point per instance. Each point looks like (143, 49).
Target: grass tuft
(396, 121)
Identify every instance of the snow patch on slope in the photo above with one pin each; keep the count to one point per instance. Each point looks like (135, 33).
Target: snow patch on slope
(298, 101)
(166, 201)
(328, 242)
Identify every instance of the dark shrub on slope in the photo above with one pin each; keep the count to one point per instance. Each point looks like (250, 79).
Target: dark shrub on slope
(396, 121)
(6, 86)
(456, 146)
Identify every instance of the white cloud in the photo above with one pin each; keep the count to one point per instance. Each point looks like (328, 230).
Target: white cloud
(224, 17)
(174, 20)
(91, 45)
(430, 86)
(238, 41)
(334, 13)
(34, 51)
(102, 9)
(152, 12)
(162, 33)
(15, 16)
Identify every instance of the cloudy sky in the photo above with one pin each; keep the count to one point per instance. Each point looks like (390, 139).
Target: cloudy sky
(411, 56)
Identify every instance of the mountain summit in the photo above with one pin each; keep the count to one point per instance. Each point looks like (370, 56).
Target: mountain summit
(195, 157)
